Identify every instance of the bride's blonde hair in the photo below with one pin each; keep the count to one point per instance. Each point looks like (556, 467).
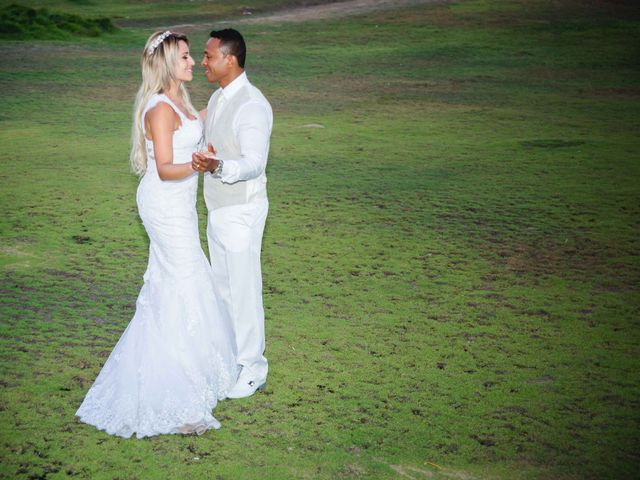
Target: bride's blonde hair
(159, 59)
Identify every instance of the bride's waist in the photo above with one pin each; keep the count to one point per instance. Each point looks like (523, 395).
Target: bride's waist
(151, 181)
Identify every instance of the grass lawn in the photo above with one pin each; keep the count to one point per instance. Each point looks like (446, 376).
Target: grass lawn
(450, 261)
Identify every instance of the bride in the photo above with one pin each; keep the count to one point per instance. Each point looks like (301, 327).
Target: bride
(176, 358)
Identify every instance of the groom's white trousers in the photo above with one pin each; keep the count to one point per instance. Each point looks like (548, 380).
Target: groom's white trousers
(234, 234)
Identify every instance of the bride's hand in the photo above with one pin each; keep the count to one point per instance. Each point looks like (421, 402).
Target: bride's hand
(204, 161)
(196, 162)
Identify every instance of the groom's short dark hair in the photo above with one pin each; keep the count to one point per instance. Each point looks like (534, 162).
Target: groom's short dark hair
(231, 43)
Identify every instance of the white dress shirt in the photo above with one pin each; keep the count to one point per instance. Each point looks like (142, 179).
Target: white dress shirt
(251, 125)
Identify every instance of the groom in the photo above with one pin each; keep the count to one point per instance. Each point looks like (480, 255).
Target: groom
(238, 122)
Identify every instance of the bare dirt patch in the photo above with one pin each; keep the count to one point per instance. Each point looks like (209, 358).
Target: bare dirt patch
(316, 12)
(336, 10)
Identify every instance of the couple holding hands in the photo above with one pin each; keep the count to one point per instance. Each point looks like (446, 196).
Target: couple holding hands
(197, 335)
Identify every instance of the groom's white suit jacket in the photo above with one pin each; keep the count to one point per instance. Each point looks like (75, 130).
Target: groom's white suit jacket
(238, 124)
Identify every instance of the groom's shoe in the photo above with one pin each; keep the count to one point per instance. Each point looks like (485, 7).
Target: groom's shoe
(245, 388)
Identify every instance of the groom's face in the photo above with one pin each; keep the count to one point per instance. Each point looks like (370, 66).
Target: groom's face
(217, 65)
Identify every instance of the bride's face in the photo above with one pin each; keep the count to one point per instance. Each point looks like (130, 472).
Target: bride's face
(184, 66)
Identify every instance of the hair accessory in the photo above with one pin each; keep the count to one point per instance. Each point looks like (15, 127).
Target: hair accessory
(156, 43)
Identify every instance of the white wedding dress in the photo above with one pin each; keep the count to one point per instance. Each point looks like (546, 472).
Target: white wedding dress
(176, 358)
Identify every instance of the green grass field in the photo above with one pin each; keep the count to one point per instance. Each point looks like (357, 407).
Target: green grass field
(450, 262)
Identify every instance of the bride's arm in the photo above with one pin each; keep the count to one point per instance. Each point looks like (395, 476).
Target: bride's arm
(161, 122)
(203, 115)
